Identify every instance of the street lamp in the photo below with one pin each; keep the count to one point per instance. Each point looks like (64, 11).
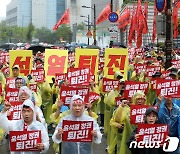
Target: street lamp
(94, 31)
(168, 42)
(88, 25)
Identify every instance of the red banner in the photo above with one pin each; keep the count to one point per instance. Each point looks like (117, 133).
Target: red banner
(79, 76)
(93, 96)
(77, 131)
(24, 140)
(59, 77)
(12, 95)
(124, 19)
(118, 101)
(139, 68)
(153, 83)
(33, 87)
(152, 132)
(15, 111)
(10, 83)
(6, 71)
(176, 64)
(65, 19)
(4, 58)
(131, 54)
(110, 84)
(131, 87)
(71, 59)
(104, 14)
(175, 20)
(137, 113)
(38, 75)
(165, 75)
(168, 88)
(151, 70)
(66, 93)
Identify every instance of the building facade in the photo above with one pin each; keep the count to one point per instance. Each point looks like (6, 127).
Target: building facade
(42, 13)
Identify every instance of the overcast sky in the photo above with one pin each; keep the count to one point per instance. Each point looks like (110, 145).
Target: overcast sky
(3, 4)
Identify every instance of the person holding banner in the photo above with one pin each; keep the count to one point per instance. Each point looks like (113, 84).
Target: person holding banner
(151, 117)
(120, 128)
(24, 94)
(25, 125)
(77, 107)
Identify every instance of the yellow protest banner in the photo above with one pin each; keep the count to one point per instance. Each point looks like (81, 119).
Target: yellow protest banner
(116, 59)
(88, 58)
(56, 61)
(22, 58)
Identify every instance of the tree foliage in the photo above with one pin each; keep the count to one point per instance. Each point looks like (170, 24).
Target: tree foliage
(16, 34)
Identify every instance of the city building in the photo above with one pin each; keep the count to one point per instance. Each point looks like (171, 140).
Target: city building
(42, 13)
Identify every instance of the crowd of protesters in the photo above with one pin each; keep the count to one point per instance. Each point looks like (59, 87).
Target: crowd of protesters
(44, 107)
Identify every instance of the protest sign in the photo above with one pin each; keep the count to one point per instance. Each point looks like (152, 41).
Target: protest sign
(56, 61)
(24, 140)
(131, 87)
(110, 84)
(93, 96)
(77, 131)
(12, 95)
(22, 58)
(78, 76)
(168, 88)
(137, 113)
(33, 87)
(116, 59)
(10, 83)
(38, 75)
(67, 92)
(88, 58)
(15, 111)
(151, 70)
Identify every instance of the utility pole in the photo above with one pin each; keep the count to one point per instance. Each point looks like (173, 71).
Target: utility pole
(168, 42)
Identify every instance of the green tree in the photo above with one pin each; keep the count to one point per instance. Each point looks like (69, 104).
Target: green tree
(45, 35)
(64, 32)
(81, 26)
(29, 33)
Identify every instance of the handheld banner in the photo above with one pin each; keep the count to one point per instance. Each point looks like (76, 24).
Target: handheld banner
(168, 88)
(24, 140)
(38, 75)
(15, 111)
(77, 131)
(12, 95)
(137, 113)
(23, 58)
(151, 70)
(66, 93)
(93, 96)
(115, 60)
(33, 87)
(131, 87)
(79, 76)
(55, 62)
(88, 58)
(152, 132)
(110, 84)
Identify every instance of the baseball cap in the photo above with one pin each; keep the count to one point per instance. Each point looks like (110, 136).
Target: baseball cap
(150, 110)
(16, 67)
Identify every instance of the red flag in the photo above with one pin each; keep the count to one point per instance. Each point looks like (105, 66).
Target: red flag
(175, 20)
(145, 28)
(65, 19)
(154, 24)
(131, 29)
(124, 19)
(104, 14)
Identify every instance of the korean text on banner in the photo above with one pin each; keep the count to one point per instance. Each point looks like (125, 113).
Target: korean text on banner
(131, 87)
(56, 61)
(23, 58)
(15, 111)
(66, 93)
(110, 84)
(137, 113)
(168, 88)
(38, 75)
(77, 131)
(152, 132)
(12, 95)
(24, 140)
(88, 58)
(115, 60)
